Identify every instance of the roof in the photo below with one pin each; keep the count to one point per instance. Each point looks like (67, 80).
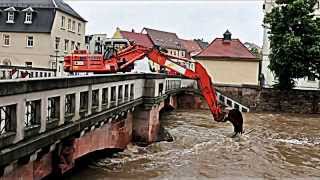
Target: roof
(138, 38)
(226, 49)
(41, 4)
(191, 46)
(42, 21)
(202, 43)
(64, 7)
(164, 39)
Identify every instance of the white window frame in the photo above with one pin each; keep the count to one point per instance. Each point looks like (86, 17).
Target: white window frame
(63, 22)
(10, 17)
(69, 24)
(73, 45)
(31, 42)
(28, 18)
(66, 45)
(4, 40)
(73, 26)
(79, 28)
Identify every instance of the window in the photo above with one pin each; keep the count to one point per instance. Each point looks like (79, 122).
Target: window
(29, 41)
(73, 26)
(69, 24)
(66, 45)
(10, 17)
(79, 28)
(317, 5)
(6, 40)
(29, 64)
(32, 113)
(63, 19)
(57, 43)
(28, 19)
(72, 45)
(78, 46)
(311, 78)
(53, 108)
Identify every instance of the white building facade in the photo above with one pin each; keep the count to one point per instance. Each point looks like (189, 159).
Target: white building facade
(36, 35)
(303, 83)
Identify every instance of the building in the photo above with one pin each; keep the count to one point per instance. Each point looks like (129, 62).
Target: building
(192, 47)
(228, 61)
(202, 43)
(307, 82)
(167, 40)
(38, 34)
(95, 43)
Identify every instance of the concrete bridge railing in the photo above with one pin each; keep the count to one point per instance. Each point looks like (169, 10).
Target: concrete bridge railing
(39, 113)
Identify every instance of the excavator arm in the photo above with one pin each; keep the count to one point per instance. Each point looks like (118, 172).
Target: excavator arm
(136, 52)
(199, 74)
(122, 60)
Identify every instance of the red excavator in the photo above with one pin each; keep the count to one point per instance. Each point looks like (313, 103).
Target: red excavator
(112, 61)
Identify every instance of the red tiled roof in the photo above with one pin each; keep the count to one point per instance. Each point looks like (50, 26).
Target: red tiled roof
(224, 49)
(138, 38)
(164, 39)
(191, 46)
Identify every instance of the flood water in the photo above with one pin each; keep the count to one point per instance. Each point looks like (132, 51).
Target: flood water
(274, 146)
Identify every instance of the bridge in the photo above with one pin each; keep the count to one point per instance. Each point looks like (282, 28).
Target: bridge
(46, 124)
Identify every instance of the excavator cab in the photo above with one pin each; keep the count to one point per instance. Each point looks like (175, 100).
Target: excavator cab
(109, 53)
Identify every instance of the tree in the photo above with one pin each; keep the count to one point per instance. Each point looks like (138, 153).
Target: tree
(294, 41)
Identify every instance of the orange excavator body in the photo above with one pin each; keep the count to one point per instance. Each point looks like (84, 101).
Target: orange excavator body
(82, 61)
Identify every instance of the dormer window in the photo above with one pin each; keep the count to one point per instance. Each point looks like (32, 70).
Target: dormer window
(28, 18)
(11, 11)
(10, 17)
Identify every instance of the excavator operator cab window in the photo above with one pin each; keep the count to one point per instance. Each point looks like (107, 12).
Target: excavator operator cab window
(110, 51)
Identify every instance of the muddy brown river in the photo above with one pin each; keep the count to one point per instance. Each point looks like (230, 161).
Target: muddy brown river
(274, 146)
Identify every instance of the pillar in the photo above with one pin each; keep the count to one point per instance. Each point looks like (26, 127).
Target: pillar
(146, 123)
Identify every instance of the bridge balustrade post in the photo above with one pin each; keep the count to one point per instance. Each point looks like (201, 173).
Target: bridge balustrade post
(123, 93)
(100, 100)
(77, 107)
(109, 97)
(44, 114)
(20, 120)
(117, 95)
(62, 108)
(89, 100)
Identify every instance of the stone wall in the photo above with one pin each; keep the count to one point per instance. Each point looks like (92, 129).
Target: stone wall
(271, 100)
(245, 94)
(294, 101)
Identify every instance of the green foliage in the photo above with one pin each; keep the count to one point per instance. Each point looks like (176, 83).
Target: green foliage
(294, 41)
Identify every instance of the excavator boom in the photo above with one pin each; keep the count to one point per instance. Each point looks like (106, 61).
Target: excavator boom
(123, 59)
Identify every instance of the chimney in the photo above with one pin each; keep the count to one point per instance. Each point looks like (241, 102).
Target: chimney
(132, 30)
(227, 37)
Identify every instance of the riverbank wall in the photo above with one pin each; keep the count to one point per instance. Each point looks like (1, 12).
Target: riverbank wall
(272, 100)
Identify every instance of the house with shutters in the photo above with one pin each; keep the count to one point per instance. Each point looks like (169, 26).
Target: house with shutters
(229, 62)
(38, 34)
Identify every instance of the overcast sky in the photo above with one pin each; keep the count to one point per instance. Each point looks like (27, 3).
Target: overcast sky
(189, 19)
